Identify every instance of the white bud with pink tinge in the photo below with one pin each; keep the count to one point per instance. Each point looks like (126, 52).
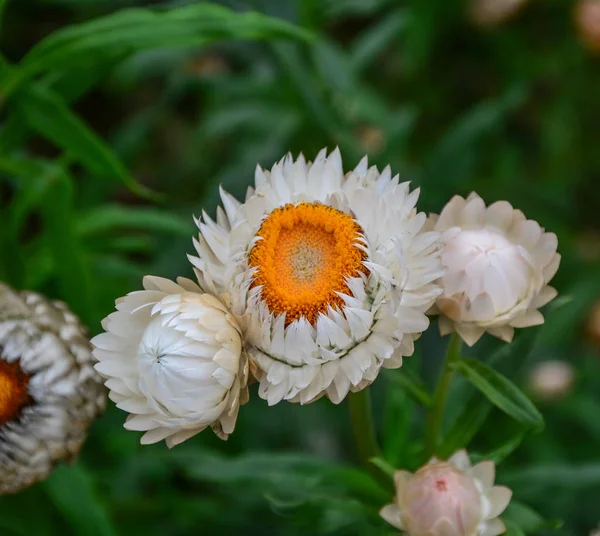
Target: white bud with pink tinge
(498, 265)
(450, 498)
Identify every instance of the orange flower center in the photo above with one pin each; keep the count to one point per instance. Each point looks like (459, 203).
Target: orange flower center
(306, 253)
(13, 391)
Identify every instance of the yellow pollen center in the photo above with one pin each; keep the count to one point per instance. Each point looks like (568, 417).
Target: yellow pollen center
(13, 391)
(306, 253)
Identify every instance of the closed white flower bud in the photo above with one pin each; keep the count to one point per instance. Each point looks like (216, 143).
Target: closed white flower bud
(448, 499)
(551, 379)
(49, 391)
(498, 264)
(173, 359)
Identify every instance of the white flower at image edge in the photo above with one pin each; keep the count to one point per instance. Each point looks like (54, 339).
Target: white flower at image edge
(173, 358)
(329, 274)
(498, 267)
(448, 498)
(49, 391)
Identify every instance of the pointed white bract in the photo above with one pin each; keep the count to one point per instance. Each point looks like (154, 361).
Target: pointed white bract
(172, 357)
(381, 312)
(448, 498)
(498, 267)
(49, 391)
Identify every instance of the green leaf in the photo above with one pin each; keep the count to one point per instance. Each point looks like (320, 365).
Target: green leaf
(71, 491)
(32, 179)
(504, 449)
(132, 30)
(412, 384)
(7, 529)
(276, 472)
(398, 414)
(501, 392)
(557, 476)
(109, 218)
(374, 40)
(72, 269)
(47, 113)
(523, 516)
(466, 426)
(385, 467)
(512, 529)
(2, 7)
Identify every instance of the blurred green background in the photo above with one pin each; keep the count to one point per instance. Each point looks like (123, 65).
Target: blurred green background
(453, 102)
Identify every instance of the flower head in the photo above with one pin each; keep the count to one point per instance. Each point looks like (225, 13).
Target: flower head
(498, 266)
(448, 499)
(329, 275)
(49, 391)
(173, 359)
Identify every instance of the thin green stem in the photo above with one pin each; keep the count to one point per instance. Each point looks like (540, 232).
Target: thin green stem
(362, 425)
(436, 412)
(365, 438)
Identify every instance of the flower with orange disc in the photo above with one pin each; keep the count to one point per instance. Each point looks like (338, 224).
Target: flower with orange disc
(329, 275)
(49, 391)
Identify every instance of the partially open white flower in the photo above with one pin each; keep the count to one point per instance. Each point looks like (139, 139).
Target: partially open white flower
(330, 275)
(498, 266)
(49, 391)
(448, 499)
(173, 359)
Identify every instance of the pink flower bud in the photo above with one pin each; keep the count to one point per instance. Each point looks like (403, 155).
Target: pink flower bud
(448, 499)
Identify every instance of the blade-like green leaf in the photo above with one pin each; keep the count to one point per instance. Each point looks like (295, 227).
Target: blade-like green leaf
(560, 476)
(47, 113)
(412, 384)
(467, 424)
(523, 516)
(504, 449)
(72, 272)
(512, 529)
(384, 466)
(31, 179)
(276, 471)
(131, 30)
(109, 218)
(501, 392)
(70, 489)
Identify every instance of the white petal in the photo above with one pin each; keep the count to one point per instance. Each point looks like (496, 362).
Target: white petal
(499, 497)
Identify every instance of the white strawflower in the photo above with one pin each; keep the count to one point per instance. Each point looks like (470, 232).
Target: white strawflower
(551, 379)
(330, 275)
(49, 391)
(498, 266)
(173, 359)
(448, 498)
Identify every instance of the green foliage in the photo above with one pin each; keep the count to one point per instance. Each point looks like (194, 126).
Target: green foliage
(501, 392)
(119, 120)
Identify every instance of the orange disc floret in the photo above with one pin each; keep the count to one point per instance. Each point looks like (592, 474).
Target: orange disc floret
(306, 254)
(13, 391)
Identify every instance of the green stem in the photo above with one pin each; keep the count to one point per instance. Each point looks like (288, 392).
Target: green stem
(365, 438)
(436, 412)
(362, 425)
